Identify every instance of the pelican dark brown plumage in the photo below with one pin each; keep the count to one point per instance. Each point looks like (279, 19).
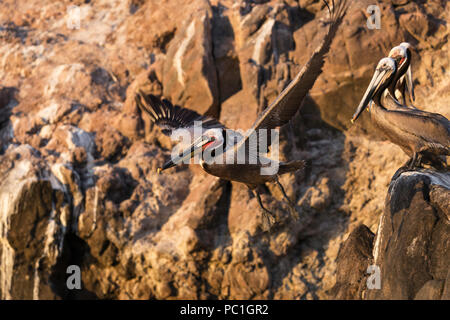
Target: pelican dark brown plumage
(418, 134)
(215, 138)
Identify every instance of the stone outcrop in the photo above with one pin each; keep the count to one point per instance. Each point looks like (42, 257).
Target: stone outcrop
(35, 218)
(77, 159)
(411, 248)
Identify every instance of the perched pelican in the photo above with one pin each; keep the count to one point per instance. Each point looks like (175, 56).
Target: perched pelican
(417, 133)
(214, 137)
(402, 85)
(394, 98)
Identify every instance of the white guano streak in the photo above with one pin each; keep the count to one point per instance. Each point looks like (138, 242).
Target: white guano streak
(263, 33)
(376, 247)
(181, 50)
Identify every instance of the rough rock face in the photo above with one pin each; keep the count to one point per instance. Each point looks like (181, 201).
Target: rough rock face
(411, 247)
(78, 160)
(34, 222)
(354, 258)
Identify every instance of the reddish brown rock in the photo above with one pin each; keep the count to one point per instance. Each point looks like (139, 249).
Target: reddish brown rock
(69, 93)
(189, 76)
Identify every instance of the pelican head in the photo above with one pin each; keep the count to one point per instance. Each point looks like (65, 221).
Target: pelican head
(406, 45)
(381, 79)
(210, 140)
(402, 55)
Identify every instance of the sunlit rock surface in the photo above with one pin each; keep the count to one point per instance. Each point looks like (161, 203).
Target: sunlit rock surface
(78, 182)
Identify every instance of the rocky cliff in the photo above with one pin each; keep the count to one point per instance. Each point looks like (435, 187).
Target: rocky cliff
(410, 248)
(77, 159)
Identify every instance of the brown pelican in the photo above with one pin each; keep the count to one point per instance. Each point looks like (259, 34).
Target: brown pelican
(416, 133)
(394, 98)
(402, 85)
(215, 139)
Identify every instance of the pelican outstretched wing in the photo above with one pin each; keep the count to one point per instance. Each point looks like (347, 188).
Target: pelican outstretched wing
(169, 117)
(290, 99)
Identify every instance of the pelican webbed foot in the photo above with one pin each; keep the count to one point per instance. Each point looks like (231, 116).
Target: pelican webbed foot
(415, 161)
(411, 165)
(268, 218)
(294, 211)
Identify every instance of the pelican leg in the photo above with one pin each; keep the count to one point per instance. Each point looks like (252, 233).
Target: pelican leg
(406, 165)
(415, 161)
(268, 217)
(419, 160)
(291, 204)
(404, 96)
(412, 162)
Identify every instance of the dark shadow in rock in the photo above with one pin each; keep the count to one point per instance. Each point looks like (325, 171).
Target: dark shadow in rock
(227, 65)
(283, 40)
(118, 185)
(16, 31)
(100, 76)
(7, 103)
(163, 42)
(75, 251)
(299, 16)
(135, 5)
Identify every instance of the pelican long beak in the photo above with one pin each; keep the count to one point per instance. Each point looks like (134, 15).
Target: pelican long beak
(187, 154)
(409, 84)
(378, 78)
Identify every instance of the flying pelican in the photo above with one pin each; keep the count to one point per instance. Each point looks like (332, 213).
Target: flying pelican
(171, 118)
(402, 85)
(418, 134)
